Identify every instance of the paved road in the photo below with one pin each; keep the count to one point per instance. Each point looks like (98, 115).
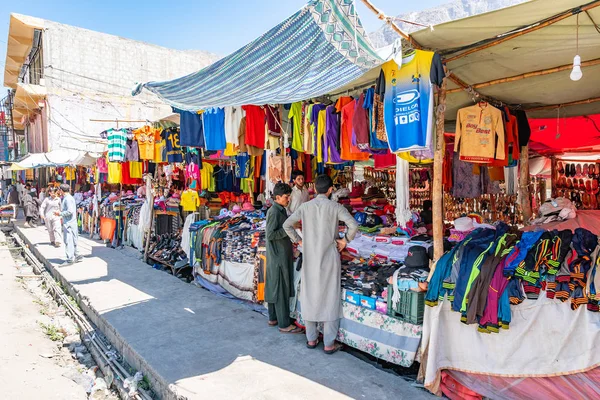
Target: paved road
(199, 345)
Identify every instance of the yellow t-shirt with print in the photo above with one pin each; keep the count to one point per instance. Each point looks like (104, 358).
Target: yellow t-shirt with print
(145, 137)
(190, 201)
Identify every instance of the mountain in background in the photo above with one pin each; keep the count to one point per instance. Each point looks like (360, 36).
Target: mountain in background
(448, 12)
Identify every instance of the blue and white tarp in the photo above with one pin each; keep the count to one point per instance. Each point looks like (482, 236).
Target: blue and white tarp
(319, 49)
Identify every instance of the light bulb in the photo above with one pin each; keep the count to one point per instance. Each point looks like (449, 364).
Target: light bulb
(576, 73)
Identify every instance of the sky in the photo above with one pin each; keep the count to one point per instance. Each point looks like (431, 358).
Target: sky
(220, 26)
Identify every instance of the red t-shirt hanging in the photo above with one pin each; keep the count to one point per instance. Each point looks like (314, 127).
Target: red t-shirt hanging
(384, 160)
(255, 126)
(126, 178)
(349, 151)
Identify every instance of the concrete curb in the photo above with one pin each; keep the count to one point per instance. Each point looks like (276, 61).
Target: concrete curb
(160, 387)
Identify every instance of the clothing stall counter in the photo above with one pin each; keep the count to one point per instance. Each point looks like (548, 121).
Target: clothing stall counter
(382, 336)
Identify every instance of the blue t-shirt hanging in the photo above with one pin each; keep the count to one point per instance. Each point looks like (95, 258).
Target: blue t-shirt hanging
(376, 142)
(171, 136)
(214, 128)
(243, 165)
(191, 129)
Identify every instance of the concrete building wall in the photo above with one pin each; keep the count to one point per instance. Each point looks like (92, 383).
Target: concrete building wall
(90, 75)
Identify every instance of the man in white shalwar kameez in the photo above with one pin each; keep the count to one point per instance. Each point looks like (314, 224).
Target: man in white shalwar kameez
(320, 287)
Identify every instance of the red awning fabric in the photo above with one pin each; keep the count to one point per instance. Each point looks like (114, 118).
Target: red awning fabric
(559, 135)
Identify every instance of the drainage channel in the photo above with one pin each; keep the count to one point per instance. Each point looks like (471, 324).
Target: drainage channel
(110, 362)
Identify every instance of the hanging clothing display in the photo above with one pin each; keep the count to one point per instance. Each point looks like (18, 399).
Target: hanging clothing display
(331, 153)
(145, 138)
(132, 151)
(114, 172)
(191, 128)
(190, 201)
(360, 124)
(308, 130)
(255, 126)
(377, 135)
(403, 213)
(480, 133)
(117, 143)
(214, 129)
(296, 115)
(407, 93)
(349, 150)
(171, 137)
(233, 119)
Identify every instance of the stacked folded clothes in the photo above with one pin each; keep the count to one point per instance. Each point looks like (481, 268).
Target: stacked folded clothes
(369, 278)
(393, 249)
(173, 202)
(237, 246)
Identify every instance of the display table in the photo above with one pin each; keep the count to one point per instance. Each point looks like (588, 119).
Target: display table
(379, 335)
(546, 338)
(236, 278)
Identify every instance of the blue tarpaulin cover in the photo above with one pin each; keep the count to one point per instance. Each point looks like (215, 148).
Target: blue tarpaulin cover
(319, 49)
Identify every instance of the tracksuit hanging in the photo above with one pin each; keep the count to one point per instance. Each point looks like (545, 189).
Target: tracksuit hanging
(490, 270)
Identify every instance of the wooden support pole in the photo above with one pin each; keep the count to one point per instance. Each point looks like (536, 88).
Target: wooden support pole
(150, 200)
(149, 234)
(523, 31)
(573, 103)
(438, 160)
(391, 23)
(524, 198)
(526, 75)
(468, 88)
(553, 175)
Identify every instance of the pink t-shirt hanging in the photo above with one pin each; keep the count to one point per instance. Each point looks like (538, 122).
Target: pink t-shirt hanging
(102, 165)
(192, 172)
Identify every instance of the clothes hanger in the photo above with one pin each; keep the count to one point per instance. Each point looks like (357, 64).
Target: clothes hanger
(397, 51)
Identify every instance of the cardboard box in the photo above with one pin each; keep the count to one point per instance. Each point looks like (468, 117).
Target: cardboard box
(353, 298)
(367, 302)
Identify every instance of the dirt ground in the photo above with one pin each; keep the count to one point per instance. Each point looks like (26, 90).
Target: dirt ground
(41, 354)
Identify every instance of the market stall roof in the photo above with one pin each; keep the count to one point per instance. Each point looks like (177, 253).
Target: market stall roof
(320, 48)
(55, 158)
(551, 136)
(523, 55)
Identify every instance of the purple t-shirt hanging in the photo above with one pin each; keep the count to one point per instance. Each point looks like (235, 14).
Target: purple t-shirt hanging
(331, 153)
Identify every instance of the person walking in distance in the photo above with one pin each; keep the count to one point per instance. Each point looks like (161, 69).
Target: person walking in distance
(320, 287)
(49, 207)
(31, 205)
(68, 213)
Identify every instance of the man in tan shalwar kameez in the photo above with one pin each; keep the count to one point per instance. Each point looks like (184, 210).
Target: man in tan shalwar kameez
(320, 287)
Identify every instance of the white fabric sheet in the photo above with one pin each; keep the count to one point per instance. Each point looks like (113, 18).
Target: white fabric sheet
(185, 234)
(403, 213)
(546, 338)
(236, 278)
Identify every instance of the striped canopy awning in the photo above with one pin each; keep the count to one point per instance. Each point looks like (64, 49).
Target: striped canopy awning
(319, 49)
